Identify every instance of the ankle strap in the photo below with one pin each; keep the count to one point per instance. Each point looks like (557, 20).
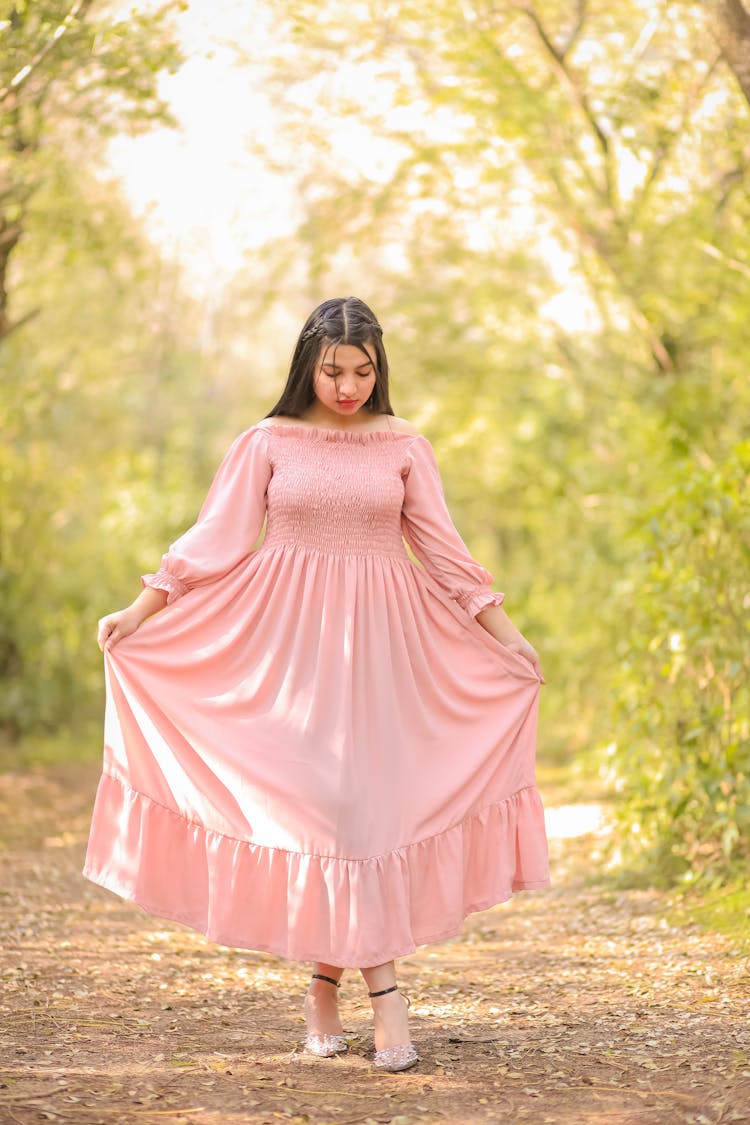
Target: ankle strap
(384, 991)
(319, 976)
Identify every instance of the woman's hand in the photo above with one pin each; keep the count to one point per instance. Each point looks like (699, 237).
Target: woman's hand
(523, 647)
(115, 626)
(495, 620)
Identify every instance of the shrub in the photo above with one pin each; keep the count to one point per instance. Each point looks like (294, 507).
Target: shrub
(681, 755)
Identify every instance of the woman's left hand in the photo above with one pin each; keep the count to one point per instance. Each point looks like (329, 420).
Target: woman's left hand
(495, 620)
(523, 647)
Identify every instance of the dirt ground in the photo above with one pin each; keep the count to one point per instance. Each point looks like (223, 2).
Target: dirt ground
(577, 1006)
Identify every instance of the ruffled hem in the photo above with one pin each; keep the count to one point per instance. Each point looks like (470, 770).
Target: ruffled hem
(348, 912)
(474, 601)
(163, 580)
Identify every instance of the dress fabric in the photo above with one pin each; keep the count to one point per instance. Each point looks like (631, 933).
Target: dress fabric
(315, 750)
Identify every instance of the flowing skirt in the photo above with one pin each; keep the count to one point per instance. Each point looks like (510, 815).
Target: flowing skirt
(320, 757)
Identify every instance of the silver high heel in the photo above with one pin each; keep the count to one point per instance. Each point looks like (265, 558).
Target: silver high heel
(326, 1046)
(401, 1057)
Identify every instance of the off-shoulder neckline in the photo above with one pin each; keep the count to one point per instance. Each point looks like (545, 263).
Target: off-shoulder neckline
(328, 433)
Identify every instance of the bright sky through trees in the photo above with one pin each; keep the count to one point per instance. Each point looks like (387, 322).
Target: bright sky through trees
(208, 194)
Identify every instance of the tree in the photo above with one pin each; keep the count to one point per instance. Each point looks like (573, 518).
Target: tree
(521, 152)
(587, 112)
(69, 72)
(79, 294)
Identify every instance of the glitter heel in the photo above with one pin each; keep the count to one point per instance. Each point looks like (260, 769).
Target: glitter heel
(325, 1046)
(401, 1057)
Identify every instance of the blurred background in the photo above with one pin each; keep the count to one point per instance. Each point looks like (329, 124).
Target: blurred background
(545, 202)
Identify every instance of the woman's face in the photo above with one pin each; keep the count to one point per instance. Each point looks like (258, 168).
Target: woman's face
(344, 377)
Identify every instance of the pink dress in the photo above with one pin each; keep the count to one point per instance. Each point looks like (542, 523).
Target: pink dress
(315, 750)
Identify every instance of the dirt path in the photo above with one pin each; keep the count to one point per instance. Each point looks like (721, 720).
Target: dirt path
(575, 1006)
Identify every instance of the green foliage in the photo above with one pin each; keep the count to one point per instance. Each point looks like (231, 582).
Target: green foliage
(114, 416)
(537, 151)
(76, 380)
(548, 218)
(71, 75)
(88, 346)
(681, 755)
(722, 908)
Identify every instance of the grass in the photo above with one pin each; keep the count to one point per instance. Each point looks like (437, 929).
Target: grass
(725, 910)
(79, 745)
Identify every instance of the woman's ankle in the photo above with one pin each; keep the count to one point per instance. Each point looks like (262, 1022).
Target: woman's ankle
(391, 1019)
(380, 978)
(322, 1014)
(326, 975)
(323, 990)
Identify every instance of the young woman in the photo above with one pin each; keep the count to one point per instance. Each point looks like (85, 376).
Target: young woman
(322, 749)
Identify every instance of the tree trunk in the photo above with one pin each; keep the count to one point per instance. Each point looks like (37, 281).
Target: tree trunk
(10, 235)
(730, 27)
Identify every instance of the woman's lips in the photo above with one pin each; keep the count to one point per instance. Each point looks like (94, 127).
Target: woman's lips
(348, 401)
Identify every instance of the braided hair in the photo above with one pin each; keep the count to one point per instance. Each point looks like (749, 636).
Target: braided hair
(340, 320)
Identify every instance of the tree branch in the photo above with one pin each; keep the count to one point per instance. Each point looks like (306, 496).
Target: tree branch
(730, 27)
(79, 8)
(7, 327)
(575, 31)
(579, 94)
(719, 256)
(664, 150)
(590, 238)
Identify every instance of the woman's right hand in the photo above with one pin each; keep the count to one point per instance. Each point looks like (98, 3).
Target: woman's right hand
(115, 626)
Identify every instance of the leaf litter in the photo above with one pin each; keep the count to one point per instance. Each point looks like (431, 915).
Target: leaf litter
(564, 1007)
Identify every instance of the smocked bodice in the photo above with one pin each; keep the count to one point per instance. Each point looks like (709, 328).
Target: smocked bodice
(338, 492)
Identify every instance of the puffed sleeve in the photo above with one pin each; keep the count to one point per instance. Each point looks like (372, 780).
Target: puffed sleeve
(429, 531)
(228, 523)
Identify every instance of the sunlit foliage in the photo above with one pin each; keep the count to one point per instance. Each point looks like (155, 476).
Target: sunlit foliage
(545, 204)
(551, 220)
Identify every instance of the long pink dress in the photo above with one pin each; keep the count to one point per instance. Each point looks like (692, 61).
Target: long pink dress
(315, 750)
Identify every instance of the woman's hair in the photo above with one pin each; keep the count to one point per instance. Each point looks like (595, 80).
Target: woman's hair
(340, 320)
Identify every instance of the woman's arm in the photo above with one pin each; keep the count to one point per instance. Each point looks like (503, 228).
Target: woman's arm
(229, 523)
(430, 532)
(149, 601)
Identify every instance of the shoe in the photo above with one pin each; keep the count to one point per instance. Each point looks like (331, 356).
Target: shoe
(401, 1057)
(326, 1046)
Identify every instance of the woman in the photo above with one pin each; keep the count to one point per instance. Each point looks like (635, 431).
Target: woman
(322, 749)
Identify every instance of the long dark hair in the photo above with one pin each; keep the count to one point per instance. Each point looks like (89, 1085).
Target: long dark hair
(340, 320)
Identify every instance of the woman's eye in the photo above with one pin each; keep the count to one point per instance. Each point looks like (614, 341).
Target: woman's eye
(336, 374)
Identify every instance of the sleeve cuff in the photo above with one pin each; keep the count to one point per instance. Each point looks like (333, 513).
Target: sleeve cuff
(474, 601)
(163, 580)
